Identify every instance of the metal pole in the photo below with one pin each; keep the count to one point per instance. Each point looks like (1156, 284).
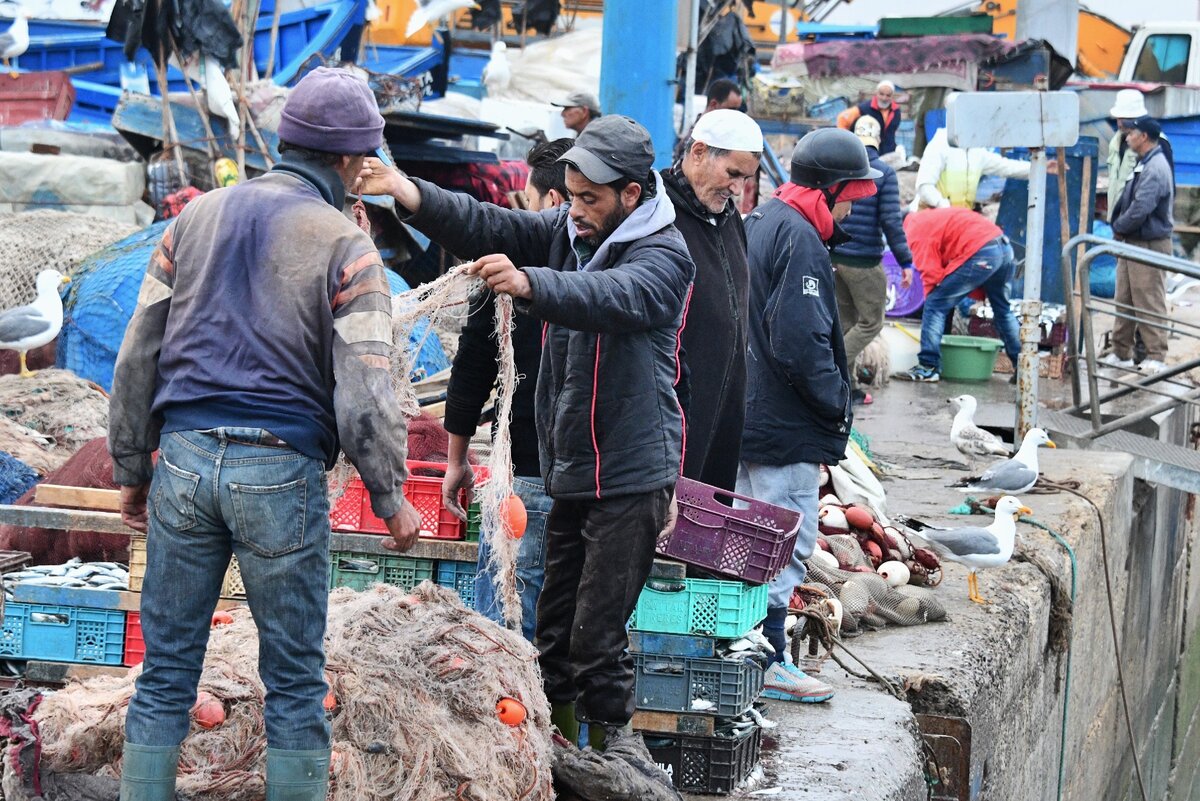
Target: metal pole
(1031, 333)
(689, 87)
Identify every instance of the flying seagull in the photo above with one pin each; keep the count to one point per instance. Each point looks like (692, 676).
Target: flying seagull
(27, 327)
(1012, 476)
(976, 547)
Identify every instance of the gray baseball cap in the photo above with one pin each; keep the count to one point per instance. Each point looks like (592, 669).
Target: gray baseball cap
(610, 148)
(582, 99)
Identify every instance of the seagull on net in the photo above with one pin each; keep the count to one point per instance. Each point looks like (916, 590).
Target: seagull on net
(976, 547)
(27, 327)
(15, 41)
(970, 439)
(1012, 476)
(497, 73)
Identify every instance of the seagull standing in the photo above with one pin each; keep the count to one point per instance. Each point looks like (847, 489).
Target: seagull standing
(497, 74)
(27, 327)
(975, 547)
(15, 41)
(1013, 476)
(970, 439)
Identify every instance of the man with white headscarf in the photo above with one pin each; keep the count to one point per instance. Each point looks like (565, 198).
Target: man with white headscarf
(882, 107)
(722, 150)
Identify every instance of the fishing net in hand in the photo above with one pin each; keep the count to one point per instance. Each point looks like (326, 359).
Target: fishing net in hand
(416, 677)
(439, 305)
(868, 602)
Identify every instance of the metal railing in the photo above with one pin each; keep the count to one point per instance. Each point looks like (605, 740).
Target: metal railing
(1082, 330)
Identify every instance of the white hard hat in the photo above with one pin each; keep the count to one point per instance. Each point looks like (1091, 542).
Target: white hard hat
(728, 129)
(1130, 104)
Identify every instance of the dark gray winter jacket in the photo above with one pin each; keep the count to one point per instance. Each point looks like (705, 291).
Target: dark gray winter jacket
(608, 420)
(798, 390)
(1145, 210)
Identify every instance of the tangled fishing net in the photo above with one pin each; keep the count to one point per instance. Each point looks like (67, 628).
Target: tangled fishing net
(416, 678)
(48, 240)
(56, 405)
(442, 303)
(867, 600)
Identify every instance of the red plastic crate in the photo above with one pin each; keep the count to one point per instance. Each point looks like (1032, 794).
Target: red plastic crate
(353, 512)
(135, 646)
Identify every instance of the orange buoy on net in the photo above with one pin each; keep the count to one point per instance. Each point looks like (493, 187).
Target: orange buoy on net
(208, 711)
(515, 517)
(510, 711)
(221, 618)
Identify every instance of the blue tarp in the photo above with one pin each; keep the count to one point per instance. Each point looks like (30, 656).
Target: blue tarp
(103, 294)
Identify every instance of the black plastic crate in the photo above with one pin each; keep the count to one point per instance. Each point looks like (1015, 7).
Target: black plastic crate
(707, 764)
(665, 683)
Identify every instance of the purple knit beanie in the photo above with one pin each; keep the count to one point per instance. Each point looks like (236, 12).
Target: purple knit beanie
(333, 111)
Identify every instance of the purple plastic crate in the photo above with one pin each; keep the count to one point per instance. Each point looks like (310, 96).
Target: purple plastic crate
(751, 543)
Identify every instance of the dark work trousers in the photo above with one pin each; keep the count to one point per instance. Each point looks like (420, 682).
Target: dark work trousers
(598, 557)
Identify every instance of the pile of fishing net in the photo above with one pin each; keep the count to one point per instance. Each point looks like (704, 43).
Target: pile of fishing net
(55, 413)
(48, 240)
(416, 678)
(867, 600)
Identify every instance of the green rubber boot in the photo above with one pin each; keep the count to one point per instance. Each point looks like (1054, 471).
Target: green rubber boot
(563, 717)
(148, 773)
(297, 775)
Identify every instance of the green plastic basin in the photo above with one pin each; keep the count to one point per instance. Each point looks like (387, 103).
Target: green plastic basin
(969, 358)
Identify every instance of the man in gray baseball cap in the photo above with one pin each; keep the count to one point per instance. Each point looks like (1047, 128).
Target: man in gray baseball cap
(609, 275)
(579, 109)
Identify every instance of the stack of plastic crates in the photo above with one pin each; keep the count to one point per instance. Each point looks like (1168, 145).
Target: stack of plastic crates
(694, 693)
(694, 689)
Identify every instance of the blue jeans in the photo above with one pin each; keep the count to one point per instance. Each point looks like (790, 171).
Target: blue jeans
(991, 268)
(792, 486)
(531, 560)
(213, 494)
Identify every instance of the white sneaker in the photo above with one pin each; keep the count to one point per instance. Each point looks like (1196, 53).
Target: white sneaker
(1152, 366)
(1112, 360)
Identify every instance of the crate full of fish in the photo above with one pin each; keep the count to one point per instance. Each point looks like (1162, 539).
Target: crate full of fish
(358, 571)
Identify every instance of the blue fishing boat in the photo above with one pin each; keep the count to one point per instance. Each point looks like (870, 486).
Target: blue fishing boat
(305, 37)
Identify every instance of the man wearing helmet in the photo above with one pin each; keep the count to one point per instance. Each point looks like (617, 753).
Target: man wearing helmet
(798, 388)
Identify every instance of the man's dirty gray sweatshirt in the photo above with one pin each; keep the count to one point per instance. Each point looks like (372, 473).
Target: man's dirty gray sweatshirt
(264, 306)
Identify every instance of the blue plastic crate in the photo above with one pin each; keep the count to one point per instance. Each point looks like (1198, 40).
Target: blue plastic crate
(724, 687)
(62, 634)
(723, 609)
(460, 577)
(651, 642)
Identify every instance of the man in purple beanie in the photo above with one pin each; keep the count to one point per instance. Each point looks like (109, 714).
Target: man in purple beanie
(258, 350)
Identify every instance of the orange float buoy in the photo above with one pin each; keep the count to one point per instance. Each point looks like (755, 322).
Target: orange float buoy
(510, 711)
(208, 711)
(221, 618)
(515, 517)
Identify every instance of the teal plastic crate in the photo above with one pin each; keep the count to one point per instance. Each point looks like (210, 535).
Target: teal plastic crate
(358, 571)
(62, 634)
(460, 577)
(724, 609)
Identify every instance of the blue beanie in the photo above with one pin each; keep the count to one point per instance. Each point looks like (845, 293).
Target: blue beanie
(333, 111)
